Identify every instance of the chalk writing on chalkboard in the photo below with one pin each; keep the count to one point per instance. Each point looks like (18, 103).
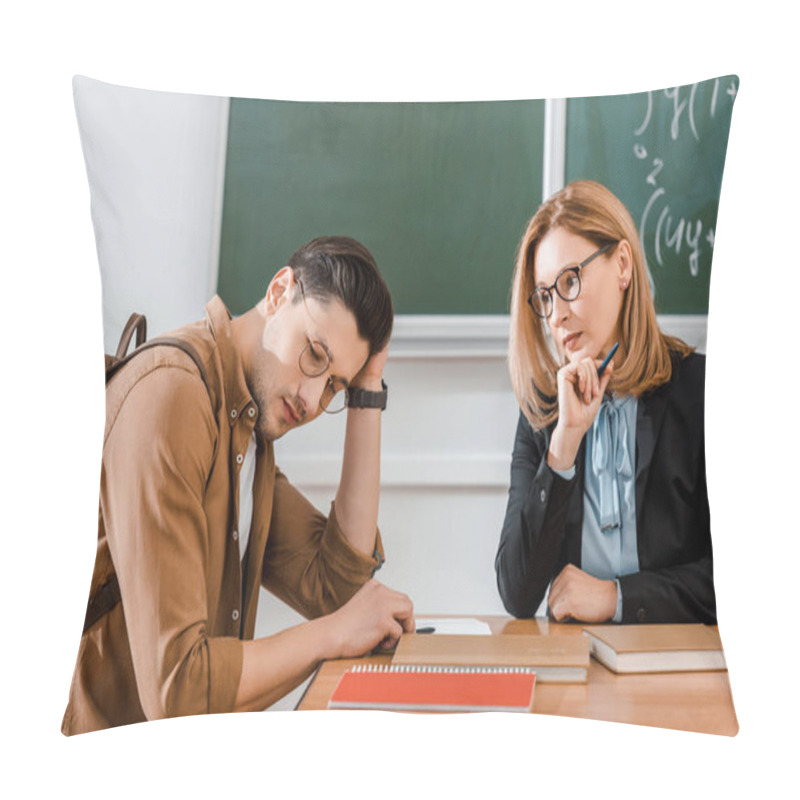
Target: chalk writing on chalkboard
(662, 153)
(683, 235)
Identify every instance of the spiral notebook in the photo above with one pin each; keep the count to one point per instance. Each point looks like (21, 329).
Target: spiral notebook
(555, 659)
(435, 688)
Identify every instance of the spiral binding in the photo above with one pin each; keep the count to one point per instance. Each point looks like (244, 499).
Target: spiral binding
(446, 668)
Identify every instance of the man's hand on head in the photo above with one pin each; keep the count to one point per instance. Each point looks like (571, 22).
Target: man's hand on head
(371, 374)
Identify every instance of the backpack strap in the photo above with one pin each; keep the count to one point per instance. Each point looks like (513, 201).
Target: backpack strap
(108, 595)
(170, 341)
(101, 602)
(137, 323)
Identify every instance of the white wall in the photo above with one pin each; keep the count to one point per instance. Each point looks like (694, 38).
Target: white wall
(156, 162)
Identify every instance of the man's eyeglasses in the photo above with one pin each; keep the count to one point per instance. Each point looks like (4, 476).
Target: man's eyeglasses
(315, 360)
(567, 284)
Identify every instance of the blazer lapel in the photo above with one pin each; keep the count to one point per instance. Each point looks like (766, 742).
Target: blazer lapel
(649, 416)
(575, 509)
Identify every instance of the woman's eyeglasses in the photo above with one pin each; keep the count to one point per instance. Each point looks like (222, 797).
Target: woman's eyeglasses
(567, 284)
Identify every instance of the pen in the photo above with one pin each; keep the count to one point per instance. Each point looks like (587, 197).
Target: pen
(430, 629)
(611, 352)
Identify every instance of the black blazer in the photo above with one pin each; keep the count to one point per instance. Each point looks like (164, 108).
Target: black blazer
(544, 517)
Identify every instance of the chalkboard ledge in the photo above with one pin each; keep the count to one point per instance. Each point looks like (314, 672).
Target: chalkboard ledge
(449, 336)
(426, 336)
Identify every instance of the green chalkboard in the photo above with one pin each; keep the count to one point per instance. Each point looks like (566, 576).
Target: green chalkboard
(662, 153)
(439, 192)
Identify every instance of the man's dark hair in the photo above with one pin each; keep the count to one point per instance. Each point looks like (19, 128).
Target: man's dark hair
(341, 267)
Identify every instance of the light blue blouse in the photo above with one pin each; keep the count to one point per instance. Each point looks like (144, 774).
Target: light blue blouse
(608, 541)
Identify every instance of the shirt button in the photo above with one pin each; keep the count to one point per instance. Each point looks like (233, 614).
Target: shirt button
(641, 615)
(235, 535)
(235, 614)
(233, 414)
(543, 495)
(239, 458)
(251, 411)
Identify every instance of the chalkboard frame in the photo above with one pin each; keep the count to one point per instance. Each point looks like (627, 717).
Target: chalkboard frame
(481, 334)
(439, 192)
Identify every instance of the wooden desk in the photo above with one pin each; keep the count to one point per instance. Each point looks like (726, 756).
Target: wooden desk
(688, 701)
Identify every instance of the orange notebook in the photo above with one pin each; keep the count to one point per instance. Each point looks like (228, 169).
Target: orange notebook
(425, 688)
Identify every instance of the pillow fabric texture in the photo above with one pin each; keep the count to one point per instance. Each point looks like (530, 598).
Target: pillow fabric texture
(195, 196)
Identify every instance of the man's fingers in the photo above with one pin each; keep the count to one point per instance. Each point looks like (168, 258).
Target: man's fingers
(402, 609)
(408, 622)
(392, 637)
(403, 615)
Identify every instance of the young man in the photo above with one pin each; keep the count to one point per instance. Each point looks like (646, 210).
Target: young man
(194, 515)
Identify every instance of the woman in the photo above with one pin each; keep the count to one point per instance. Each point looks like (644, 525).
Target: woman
(608, 504)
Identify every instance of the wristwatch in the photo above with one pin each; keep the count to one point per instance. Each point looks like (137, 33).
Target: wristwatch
(361, 398)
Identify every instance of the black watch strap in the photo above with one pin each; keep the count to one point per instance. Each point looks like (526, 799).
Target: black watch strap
(361, 398)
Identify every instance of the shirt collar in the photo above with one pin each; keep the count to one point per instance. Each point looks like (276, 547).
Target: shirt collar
(237, 395)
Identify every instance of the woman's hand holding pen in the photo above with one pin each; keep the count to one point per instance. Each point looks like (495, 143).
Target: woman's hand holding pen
(580, 393)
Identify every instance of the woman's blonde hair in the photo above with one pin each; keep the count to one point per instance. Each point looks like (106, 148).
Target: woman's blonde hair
(586, 209)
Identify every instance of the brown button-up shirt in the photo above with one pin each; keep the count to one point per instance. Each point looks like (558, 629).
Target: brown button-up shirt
(168, 528)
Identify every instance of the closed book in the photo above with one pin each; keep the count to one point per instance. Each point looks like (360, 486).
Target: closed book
(656, 648)
(424, 688)
(556, 659)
